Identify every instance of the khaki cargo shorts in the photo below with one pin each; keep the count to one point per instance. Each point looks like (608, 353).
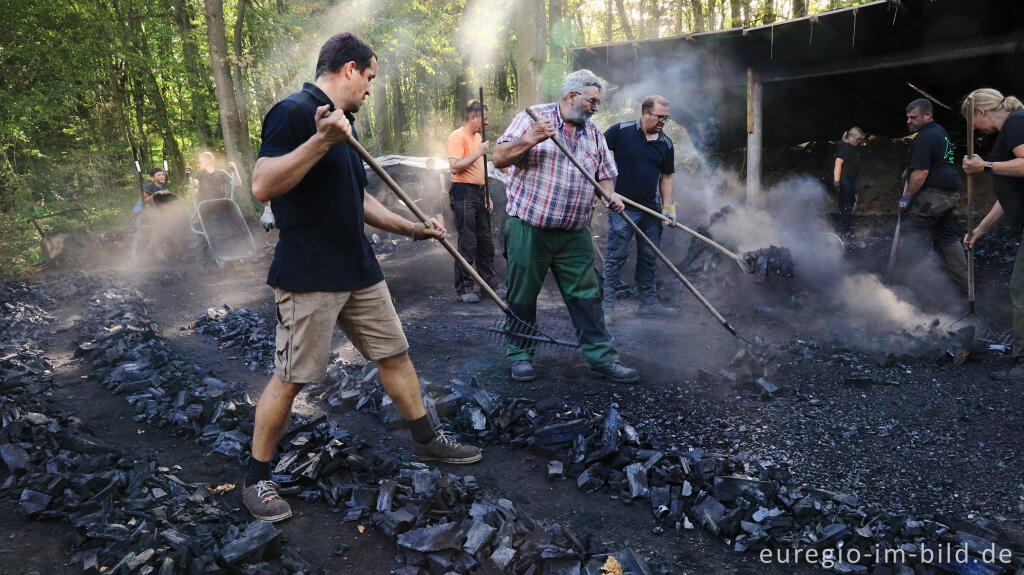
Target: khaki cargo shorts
(306, 320)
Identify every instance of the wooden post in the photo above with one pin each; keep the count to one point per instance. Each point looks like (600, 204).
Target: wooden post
(754, 122)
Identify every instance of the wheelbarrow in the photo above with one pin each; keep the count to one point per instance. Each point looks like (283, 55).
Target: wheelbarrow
(221, 223)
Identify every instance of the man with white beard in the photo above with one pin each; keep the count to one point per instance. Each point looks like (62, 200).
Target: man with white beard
(550, 204)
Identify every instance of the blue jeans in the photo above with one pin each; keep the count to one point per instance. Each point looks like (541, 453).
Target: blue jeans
(619, 235)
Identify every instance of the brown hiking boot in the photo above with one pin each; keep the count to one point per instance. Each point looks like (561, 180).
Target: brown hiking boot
(264, 503)
(445, 448)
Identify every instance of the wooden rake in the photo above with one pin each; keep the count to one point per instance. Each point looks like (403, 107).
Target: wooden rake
(513, 329)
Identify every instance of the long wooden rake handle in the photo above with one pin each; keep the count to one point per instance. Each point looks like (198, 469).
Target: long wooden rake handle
(743, 264)
(422, 217)
(970, 206)
(639, 234)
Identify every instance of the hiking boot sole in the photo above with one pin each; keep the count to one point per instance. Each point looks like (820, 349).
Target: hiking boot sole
(600, 375)
(457, 460)
(273, 518)
(523, 377)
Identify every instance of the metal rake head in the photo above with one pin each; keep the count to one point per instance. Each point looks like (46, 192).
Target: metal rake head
(513, 331)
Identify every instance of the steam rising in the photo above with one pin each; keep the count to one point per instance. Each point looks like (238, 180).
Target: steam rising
(483, 31)
(848, 303)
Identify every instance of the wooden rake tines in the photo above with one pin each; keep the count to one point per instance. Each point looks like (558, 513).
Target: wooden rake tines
(520, 330)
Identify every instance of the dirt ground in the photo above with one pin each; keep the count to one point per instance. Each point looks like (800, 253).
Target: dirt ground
(926, 437)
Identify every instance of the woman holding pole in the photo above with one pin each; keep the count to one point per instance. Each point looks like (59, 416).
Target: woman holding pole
(1002, 115)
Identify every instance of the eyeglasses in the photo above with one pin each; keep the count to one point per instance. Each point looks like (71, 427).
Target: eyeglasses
(664, 118)
(594, 102)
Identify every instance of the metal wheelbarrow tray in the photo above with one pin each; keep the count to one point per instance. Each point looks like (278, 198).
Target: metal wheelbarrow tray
(221, 223)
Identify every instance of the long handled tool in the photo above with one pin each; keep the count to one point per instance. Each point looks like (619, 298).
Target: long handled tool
(970, 207)
(896, 237)
(516, 331)
(642, 236)
(483, 137)
(744, 265)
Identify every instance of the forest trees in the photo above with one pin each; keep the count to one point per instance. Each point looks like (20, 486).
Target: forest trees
(92, 85)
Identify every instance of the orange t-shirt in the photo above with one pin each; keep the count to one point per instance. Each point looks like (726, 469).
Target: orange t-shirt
(461, 144)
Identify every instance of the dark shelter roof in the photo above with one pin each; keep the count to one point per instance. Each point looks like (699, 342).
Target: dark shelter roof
(827, 72)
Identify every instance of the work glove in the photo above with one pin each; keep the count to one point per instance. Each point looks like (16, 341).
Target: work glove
(836, 187)
(267, 219)
(669, 211)
(904, 204)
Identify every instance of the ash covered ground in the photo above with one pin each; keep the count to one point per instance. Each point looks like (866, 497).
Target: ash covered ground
(872, 403)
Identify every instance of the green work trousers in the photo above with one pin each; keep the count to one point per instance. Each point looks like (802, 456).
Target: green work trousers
(1017, 298)
(531, 252)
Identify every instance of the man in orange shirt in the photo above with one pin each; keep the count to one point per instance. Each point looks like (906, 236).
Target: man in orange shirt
(470, 203)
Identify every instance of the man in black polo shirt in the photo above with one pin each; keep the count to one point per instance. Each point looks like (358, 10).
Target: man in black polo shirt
(930, 199)
(324, 272)
(645, 158)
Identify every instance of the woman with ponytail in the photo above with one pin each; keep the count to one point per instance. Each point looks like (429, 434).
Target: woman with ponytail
(845, 172)
(995, 113)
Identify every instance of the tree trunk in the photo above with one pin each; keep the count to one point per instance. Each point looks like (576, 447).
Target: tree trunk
(799, 8)
(554, 20)
(698, 15)
(530, 50)
(226, 100)
(747, 15)
(735, 14)
(654, 19)
(711, 19)
(608, 17)
(397, 108)
(193, 71)
(244, 146)
(624, 20)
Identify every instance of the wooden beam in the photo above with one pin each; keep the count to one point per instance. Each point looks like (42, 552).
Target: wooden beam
(755, 91)
(1010, 44)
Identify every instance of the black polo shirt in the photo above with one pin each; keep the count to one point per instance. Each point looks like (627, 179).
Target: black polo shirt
(321, 246)
(640, 162)
(933, 151)
(1009, 190)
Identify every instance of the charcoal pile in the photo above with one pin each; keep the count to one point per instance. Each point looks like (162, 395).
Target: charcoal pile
(243, 331)
(130, 359)
(130, 516)
(441, 523)
(771, 261)
(751, 503)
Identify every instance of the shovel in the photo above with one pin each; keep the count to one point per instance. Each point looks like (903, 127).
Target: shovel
(642, 236)
(516, 331)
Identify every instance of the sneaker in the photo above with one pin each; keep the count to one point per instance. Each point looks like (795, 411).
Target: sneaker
(656, 309)
(469, 298)
(445, 448)
(616, 372)
(522, 370)
(264, 503)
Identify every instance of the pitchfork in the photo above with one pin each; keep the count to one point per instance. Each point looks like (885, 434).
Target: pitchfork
(515, 330)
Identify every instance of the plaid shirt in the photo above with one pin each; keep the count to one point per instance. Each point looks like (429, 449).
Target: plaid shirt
(545, 189)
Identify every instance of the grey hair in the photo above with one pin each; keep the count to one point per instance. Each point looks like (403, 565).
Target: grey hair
(579, 81)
